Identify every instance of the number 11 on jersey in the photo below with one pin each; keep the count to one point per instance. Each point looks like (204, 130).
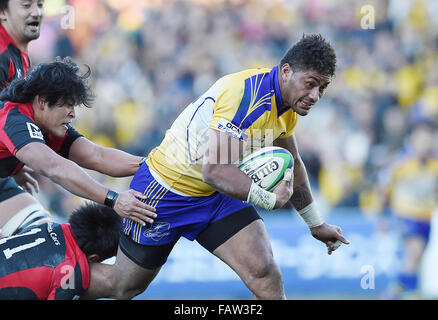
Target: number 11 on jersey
(8, 252)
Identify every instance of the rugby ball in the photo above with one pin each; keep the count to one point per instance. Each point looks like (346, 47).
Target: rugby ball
(266, 166)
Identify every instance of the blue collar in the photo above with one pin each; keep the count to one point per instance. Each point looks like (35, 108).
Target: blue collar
(278, 97)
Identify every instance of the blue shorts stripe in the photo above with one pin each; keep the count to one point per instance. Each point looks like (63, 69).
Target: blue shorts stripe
(127, 225)
(137, 232)
(151, 190)
(160, 196)
(147, 188)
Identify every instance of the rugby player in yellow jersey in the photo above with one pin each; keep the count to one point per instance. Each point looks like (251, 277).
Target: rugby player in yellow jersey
(199, 193)
(410, 189)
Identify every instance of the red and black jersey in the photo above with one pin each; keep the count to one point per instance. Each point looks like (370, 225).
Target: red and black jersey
(43, 262)
(17, 129)
(14, 63)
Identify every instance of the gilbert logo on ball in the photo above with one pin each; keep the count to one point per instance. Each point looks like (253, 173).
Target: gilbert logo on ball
(266, 166)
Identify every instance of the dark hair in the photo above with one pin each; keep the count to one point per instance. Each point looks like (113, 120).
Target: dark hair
(312, 52)
(56, 83)
(96, 229)
(4, 4)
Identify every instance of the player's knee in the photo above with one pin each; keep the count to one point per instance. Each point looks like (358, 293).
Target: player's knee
(263, 269)
(123, 287)
(265, 281)
(129, 293)
(125, 291)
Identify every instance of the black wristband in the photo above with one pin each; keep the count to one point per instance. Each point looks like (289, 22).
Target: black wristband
(110, 199)
(142, 161)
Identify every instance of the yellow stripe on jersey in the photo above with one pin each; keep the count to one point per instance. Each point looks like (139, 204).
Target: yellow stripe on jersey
(254, 102)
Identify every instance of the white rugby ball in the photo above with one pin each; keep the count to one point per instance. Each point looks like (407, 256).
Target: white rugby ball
(266, 166)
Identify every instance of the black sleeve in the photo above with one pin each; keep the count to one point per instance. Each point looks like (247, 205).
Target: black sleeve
(21, 130)
(70, 137)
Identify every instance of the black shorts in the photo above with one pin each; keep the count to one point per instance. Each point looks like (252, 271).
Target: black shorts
(9, 188)
(215, 234)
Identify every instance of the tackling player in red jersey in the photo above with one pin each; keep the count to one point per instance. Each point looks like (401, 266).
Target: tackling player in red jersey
(20, 24)
(50, 261)
(35, 129)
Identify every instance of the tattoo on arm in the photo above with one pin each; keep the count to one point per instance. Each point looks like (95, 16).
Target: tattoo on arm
(301, 197)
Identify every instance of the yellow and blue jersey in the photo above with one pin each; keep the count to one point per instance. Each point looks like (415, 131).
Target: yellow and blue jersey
(246, 105)
(414, 188)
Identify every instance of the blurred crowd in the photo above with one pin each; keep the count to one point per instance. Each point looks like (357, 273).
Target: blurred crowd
(151, 58)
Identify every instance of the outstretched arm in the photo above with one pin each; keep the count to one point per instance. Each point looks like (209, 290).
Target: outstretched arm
(69, 175)
(303, 202)
(302, 196)
(109, 161)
